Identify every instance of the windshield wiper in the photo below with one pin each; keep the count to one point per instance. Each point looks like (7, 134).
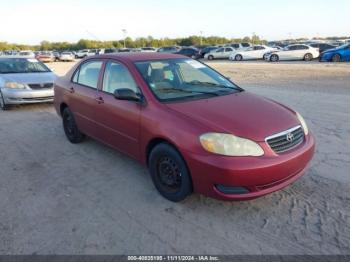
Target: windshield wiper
(190, 91)
(200, 83)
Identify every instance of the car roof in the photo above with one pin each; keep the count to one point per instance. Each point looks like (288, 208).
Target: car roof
(133, 57)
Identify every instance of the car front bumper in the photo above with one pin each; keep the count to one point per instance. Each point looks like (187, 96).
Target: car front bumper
(251, 177)
(26, 96)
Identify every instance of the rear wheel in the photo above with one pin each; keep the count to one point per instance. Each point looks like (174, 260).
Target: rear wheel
(238, 58)
(336, 58)
(274, 58)
(3, 106)
(308, 57)
(210, 57)
(169, 173)
(70, 127)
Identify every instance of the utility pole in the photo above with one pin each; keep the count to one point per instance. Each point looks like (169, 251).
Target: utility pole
(124, 33)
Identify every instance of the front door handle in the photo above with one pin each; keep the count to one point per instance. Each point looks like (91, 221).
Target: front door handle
(99, 100)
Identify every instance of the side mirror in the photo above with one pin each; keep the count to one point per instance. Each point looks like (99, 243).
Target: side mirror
(127, 94)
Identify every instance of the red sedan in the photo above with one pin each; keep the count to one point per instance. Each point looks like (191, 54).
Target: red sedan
(194, 129)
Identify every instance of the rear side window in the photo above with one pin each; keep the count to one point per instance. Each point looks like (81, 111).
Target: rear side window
(245, 44)
(88, 74)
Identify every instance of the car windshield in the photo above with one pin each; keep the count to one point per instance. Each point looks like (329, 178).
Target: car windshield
(21, 65)
(182, 79)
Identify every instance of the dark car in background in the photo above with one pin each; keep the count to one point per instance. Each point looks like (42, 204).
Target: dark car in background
(190, 52)
(322, 46)
(169, 49)
(206, 50)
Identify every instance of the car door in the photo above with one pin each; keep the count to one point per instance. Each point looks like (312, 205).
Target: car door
(346, 53)
(287, 54)
(227, 52)
(118, 120)
(82, 100)
(219, 53)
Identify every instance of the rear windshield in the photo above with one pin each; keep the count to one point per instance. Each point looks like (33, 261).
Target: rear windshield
(21, 65)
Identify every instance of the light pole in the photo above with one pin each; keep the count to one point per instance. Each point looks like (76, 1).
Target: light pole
(124, 32)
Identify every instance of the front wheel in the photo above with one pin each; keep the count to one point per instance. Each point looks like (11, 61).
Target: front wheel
(210, 57)
(274, 58)
(70, 127)
(238, 58)
(3, 106)
(336, 58)
(169, 173)
(308, 57)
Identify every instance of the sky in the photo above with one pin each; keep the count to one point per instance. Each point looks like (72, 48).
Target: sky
(31, 21)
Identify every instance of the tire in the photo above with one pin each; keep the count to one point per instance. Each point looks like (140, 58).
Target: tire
(70, 127)
(274, 58)
(308, 57)
(238, 58)
(210, 57)
(169, 173)
(3, 106)
(336, 58)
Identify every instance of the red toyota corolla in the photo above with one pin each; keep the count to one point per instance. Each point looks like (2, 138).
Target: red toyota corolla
(194, 129)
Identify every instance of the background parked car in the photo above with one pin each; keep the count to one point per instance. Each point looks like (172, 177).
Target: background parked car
(110, 50)
(24, 80)
(220, 53)
(169, 49)
(190, 52)
(240, 46)
(82, 53)
(26, 54)
(322, 46)
(254, 52)
(45, 57)
(67, 56)
(206, 50)
(148, 49)
(338, 54)
(294, 52)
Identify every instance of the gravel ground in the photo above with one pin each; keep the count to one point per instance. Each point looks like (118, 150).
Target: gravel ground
(59, 198)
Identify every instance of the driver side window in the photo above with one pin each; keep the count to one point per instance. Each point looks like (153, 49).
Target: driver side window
(117, 76)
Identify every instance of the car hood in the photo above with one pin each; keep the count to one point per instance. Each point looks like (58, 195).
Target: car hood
(242, 114)
(30, 78)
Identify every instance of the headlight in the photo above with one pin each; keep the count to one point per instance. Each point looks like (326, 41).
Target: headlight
(303, 123)
(230, 145)
(14, 85)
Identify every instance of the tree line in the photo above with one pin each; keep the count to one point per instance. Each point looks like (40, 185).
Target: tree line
(130, 43)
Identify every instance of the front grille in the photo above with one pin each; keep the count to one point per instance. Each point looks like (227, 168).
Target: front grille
(286, 140)
(38, 98)
(41, 86)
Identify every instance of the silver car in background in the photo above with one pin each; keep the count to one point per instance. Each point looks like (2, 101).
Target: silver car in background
(24, 80)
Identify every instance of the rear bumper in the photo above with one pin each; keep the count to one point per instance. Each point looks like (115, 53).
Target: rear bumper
(27, 96)
(257, 175)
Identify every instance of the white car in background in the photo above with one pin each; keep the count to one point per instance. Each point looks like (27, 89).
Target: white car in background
(82, 53)
(67, 56)
(220, 53)
(294, 52)
(252, 53)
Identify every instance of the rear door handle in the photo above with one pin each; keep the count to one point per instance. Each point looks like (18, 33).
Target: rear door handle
(99, 100)
(71, 90)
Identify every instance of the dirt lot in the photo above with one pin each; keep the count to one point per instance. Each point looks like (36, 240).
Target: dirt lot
(60, 198)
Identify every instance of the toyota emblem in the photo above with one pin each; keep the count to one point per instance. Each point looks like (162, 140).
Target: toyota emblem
(290, 137)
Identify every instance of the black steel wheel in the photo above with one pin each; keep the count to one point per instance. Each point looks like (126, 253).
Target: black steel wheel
(169, 173)
(70, 127)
